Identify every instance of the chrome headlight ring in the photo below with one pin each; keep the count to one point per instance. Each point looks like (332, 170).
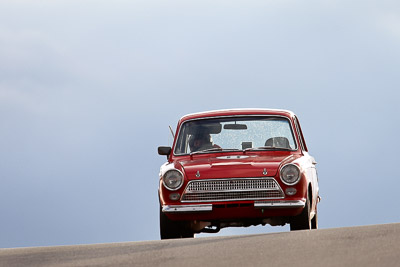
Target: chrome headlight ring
(173, 179)
(290, 174)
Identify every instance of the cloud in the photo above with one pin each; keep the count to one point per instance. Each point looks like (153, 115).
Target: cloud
(16, 98)
(390, 24)
(32, 56)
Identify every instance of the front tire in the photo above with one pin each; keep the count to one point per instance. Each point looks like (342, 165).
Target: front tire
(314, 221)
(303, 220)
(170, 229)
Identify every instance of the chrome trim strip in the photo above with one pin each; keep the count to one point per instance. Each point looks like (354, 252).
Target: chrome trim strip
(280, 204)
(186, 208)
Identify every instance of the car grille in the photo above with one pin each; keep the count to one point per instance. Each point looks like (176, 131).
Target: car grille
(231, 190)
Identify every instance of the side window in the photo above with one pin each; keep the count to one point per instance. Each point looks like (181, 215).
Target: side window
(300, 134)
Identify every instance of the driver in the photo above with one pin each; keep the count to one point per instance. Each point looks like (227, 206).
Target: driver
(200, 141)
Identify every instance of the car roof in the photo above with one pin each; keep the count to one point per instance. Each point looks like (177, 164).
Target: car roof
(240, 112)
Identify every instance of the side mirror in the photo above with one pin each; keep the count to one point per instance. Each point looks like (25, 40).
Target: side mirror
(164, 150)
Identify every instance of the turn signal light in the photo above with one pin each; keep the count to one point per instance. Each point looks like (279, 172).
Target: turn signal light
(174, 196)
(291, 191)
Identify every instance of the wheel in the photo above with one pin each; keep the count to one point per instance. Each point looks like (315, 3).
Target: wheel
(303, 220)
(187, 234)
(314, 220)
(170, 229)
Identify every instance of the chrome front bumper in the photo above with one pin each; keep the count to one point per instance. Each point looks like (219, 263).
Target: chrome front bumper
(187, 208)
(283, 204)
(279, 204)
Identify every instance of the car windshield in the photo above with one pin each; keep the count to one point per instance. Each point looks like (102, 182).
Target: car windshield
(235, 133)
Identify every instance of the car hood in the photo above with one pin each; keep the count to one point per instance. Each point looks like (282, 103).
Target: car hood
(232, 166)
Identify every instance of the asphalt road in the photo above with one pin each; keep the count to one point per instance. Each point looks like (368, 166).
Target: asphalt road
(376, 245)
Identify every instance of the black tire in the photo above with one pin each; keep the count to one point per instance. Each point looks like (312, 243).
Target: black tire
(187, 234)
(303, 220)
(314, 220)
(170, 229)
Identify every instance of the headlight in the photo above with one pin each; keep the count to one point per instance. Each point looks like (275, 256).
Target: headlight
(290, 174)
(173, 180)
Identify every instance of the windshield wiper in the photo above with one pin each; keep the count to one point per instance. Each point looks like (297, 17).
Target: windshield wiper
(213, 150)
(267, 148)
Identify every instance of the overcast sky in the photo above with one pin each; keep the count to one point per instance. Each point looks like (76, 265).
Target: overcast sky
(88, 89)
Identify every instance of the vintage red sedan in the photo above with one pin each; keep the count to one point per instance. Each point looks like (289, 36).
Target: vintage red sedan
(238, 167)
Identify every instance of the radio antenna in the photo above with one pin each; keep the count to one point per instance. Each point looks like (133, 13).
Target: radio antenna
(172, 132)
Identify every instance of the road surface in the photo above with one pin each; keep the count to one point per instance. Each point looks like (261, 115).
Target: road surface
(375, 245)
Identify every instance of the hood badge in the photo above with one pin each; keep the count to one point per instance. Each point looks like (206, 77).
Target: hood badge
(265, 171)
(198, 174)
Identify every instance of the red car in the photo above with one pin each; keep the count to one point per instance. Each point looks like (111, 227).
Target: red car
(237, 167)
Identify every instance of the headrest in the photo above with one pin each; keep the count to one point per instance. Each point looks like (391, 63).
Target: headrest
(278, 142)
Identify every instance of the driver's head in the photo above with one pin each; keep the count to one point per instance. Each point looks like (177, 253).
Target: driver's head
(199, 140)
